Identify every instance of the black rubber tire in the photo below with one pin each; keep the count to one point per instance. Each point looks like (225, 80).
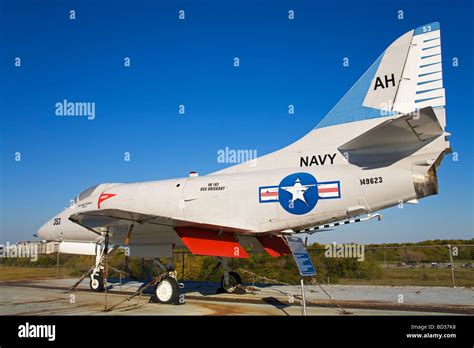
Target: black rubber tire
(173, 286)
(234, 279)
(99, 285)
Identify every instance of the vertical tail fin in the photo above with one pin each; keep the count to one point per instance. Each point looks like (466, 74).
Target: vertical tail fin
(421, 84)
(405, 78)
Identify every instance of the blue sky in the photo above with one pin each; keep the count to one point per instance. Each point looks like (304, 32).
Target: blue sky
(190, 62)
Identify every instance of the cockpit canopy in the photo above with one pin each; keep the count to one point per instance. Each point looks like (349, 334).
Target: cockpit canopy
(96, 189)
(86, 193)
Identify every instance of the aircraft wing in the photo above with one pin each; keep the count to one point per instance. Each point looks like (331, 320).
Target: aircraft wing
(116, 217)
(200, 239)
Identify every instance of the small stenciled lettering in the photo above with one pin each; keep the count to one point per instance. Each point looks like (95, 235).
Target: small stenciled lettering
(212, 186)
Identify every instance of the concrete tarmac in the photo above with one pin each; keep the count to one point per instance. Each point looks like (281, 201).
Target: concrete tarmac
(48, 297)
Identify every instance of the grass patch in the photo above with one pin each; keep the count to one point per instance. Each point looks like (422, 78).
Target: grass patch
(417, 277)
(18, 273)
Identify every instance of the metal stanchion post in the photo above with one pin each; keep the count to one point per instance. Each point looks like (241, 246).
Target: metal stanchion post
(106, 252)
(57, 264)
(182, 263)
(303, 300)
(452, 265)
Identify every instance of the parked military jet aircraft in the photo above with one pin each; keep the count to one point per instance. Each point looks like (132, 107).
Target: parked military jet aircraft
(380, 145)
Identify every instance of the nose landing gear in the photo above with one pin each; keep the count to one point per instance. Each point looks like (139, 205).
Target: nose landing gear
(97, 282)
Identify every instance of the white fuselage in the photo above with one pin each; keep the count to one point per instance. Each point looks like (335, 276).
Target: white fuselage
(231, 198)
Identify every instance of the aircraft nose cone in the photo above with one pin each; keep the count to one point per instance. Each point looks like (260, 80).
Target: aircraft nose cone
(44, 232)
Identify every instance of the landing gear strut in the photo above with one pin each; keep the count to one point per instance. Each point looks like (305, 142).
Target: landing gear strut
(96, 282)
(231, 281)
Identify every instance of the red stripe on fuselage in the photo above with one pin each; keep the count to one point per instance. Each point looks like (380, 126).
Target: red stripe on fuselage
(268, 194)
(330, 189)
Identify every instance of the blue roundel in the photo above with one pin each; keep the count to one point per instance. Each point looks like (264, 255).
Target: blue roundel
(298, 193)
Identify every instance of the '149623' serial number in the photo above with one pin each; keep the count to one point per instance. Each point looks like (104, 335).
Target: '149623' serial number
(369, 181)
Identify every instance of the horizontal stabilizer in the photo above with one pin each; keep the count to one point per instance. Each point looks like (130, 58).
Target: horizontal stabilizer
(393, 140)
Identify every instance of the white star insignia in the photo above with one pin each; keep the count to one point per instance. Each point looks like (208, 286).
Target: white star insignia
(297, 192)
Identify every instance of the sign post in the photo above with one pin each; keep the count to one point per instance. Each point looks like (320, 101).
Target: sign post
(303, 262)
(303, 300)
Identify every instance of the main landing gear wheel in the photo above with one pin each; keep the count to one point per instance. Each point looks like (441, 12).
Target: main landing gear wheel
(234, 282)
(97, 282)
(167, 291)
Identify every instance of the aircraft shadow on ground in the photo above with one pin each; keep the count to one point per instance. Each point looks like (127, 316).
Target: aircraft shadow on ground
(203, 288)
